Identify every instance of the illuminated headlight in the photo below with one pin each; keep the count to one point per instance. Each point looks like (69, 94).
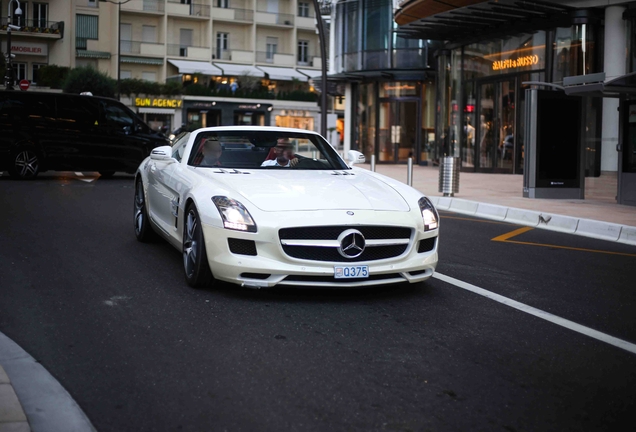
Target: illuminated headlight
(429, 214)
(235, 215)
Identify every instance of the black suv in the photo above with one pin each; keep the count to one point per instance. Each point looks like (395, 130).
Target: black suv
(68, 132)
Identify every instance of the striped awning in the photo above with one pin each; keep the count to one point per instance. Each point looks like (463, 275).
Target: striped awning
(142, 60)
(92, 54)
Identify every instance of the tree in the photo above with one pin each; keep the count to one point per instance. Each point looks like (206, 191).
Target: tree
(88, 79)
(52, 76)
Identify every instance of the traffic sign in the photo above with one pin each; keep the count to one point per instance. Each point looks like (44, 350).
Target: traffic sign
(24, 84)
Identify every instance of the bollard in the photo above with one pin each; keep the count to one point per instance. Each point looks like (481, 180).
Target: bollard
(409, 172)
(449, 176)
(373, 163)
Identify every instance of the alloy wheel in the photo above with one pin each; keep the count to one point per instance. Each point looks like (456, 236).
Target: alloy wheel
(190, 244)
(26, 164)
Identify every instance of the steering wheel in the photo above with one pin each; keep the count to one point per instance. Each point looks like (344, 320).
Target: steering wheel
(308, 163)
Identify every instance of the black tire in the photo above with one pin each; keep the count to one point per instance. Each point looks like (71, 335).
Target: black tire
(106, 174)
(143, 230)
(195, 259)
(25, 163)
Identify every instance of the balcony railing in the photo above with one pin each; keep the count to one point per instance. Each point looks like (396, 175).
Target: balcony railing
(264, 57)
(179, 50)
(34, 26)
(137, 47)
(195, 9)
(233, 14)
(145, 5)
(221, 54)
(279, 18)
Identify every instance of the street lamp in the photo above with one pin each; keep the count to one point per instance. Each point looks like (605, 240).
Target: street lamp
(323, 61)
(8, 77)
(118, 38)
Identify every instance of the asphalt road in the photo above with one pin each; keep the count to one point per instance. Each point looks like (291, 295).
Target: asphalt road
(114, 321)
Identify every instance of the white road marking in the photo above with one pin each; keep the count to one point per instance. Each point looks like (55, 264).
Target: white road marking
(627, 346)
(115, 300)
(81, 177)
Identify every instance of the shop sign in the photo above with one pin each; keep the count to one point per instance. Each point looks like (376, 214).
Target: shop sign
(519, 62)
(28, 48)
(158, 103)
(250, 107)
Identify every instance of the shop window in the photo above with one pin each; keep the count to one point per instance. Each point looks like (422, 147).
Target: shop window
(20, 71)
(574, 51)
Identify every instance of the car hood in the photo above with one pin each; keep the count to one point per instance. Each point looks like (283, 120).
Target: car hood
(283, 190)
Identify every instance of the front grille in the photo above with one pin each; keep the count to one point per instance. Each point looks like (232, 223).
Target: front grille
(332, 254)
(331, 279)
(322, 253)
(242, 247)
(426, 245)
(370, 232)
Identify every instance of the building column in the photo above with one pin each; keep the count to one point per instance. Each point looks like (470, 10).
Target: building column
(348, 120)
(614, 65)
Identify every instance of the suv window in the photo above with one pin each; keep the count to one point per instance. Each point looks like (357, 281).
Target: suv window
(115, 115)
(78, 111)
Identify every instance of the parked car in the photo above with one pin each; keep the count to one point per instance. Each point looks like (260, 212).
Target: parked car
(57, 131)
(267, 206)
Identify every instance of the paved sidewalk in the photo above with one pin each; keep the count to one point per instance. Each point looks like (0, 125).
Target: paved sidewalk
(500, 197)
(12, 417)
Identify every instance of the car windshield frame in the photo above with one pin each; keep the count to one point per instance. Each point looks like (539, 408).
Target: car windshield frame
(255, 150)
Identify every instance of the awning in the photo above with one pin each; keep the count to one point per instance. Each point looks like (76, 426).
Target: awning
(595, 85)
(192, 67)
(142, 60)
(92, 54)
(311, 73)
(488, 19)
(143, 110)
(282, 74)
(229, 69)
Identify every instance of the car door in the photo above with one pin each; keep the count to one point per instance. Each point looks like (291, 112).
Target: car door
(163, 195)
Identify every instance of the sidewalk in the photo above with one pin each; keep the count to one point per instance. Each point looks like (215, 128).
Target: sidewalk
(500, 197)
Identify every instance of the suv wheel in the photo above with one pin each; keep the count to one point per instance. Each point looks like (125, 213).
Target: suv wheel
(25, 164)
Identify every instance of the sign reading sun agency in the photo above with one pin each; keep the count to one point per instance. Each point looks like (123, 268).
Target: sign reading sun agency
(519, 62)
(158, 103)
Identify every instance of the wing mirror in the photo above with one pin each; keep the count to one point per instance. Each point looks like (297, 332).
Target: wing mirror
(354, 157)
(163, 153)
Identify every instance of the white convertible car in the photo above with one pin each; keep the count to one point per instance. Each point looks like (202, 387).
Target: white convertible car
(266, 206)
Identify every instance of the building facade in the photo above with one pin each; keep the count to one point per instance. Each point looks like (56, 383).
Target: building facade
(219, 44)
(493, 51)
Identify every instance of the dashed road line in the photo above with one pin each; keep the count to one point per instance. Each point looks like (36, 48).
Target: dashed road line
(595, 334)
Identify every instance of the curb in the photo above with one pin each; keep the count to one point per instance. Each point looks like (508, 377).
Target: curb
(554, 222)
(47, 405)
(12, 416)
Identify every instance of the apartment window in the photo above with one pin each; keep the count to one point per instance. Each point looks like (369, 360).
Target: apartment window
(125, 74)
(303, 9)
(185, 40)
(20, 71)
(40, 14)
(86, 28)
(35, 69)
(223, 4)
(222, 44)
(149, 34)
(271, 48)
(149, 76)
(303, 51)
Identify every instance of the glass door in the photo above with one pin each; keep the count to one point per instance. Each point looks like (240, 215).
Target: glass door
(399, 131)
(496, 125)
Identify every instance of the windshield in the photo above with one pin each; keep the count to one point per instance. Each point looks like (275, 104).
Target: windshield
(264, 150)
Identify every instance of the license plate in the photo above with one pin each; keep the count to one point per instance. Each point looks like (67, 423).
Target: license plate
(350, 272)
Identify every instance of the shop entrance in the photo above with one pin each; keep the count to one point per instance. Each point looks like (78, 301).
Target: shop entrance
(627, 154)
(399, 130)
(495, 141)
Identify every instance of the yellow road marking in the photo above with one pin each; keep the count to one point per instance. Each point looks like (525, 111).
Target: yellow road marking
(505, 238)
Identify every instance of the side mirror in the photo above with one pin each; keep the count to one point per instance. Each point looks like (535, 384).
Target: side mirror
(354, 157)
(163, 153)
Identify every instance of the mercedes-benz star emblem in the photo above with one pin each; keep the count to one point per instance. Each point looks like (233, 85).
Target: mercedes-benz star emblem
(351, 243)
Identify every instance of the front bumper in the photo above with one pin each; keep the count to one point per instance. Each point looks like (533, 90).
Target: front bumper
(271, 266)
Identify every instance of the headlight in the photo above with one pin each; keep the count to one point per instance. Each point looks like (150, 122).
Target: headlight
(235, 215)
(429, 214)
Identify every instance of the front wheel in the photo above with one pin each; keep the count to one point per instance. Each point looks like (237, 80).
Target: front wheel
(25, 164)
(143, 230)
(195, 259)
